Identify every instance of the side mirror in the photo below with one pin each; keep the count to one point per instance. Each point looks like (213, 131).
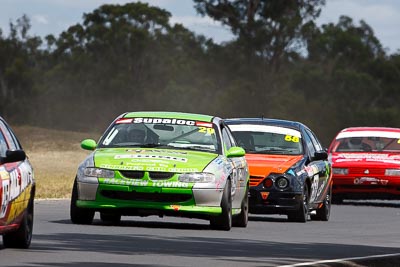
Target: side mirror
(88, 144)
(235, 151)
(14, 156)
(320, 155)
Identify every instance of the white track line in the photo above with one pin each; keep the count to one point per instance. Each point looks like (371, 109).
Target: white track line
(341, 260)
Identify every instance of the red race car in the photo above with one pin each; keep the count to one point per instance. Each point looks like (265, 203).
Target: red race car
(366, 163)
(17, 191)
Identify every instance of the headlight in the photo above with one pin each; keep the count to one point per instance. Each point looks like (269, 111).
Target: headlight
(197, 177)
(281, 182)
(341, 171)
(392, 172)
(99, 173)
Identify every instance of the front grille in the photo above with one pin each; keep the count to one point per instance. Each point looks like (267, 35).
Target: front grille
(154, 197)
(132, 174)
(371, 171)
(255, 180)
(161, 175)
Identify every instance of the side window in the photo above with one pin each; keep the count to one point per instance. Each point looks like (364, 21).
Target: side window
(309, 144)
(9, 137)
(226, 138)
(314, 140)
(3, 145)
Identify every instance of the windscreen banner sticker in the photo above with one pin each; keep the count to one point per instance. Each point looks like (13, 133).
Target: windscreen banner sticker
(206, 127)
(164, 121)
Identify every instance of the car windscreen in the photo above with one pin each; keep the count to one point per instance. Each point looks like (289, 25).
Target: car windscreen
(266, 139)
(162, 133)
(386, 142)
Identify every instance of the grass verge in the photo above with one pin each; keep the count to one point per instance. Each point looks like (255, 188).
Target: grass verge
(55, 156)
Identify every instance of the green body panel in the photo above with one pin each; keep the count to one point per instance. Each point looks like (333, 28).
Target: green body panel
(147, 159)
(150, 205)
(169, 115)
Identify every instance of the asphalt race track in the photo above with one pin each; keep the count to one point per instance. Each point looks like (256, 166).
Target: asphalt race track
(366, 233)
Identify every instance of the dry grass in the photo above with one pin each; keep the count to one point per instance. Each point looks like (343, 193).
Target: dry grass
(55, 156)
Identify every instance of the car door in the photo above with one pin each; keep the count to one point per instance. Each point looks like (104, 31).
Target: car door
(15, 178)
(239, 168)
(317, 168)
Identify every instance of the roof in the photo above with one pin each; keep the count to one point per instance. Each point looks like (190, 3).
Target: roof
(169, 115)
(383, 129)
(369, 132)
(262, 121)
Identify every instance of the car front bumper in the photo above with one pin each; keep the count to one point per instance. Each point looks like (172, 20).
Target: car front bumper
(274, 202)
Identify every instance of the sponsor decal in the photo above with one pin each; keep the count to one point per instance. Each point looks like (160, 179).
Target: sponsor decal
(164, 121)
(157, 151)
(176, 207)
(146, 168)
(265, 129)
(13, 184)
(141, 156)
(139, 182)
(121, 121)
(368, 156)
(370, 180)
(311, 170)
(204, 124)
(264, 195)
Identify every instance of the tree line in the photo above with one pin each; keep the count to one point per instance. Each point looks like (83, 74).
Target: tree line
(130, 57)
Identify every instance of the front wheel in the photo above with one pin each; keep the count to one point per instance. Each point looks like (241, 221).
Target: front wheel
(301, 215)
(224, 220)
(23, 236)
(79, 215)
(323, 213)
(242, 219)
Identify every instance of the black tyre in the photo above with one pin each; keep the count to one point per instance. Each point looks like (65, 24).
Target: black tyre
(79, 215)
(110, 218)
(23, 236)
(224, 221)
(301, 215)
(242, 218)
(323, 213)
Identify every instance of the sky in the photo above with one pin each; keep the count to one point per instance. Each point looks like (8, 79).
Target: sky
(55, 16)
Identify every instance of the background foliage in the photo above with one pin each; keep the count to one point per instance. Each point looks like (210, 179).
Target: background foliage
(130, 57)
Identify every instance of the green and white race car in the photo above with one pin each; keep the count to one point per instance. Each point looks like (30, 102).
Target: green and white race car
(163, 163)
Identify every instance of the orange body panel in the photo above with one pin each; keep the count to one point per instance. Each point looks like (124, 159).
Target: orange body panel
(260, 166)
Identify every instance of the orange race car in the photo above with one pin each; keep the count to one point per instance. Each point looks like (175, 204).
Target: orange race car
(289, 169)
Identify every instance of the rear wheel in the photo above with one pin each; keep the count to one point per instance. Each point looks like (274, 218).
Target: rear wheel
(323, 213)
(224, 220)
(79, 215)
(242, 219)
(23, 236)
(301, 215)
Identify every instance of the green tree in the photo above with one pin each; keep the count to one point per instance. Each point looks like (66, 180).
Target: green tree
(19, 55)
(271, 29)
